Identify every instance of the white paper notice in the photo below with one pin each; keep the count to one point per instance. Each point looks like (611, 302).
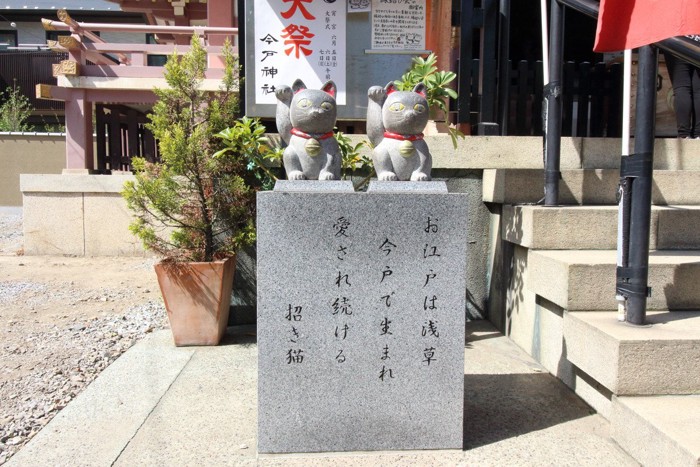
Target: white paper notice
(398, 24)
(302, 39)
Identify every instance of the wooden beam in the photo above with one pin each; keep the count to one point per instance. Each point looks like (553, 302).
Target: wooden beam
(51, 92)
(158, 49)
(114, 141)
(77, 28)
(101, 140)
(47, 24)
(89, 53)
(79, 141)
(66, 68)
(69, 42)
(70, 68)
(164, 9)
(58, 93)
(130, 96)
(116, 71)
(133, 134)
(145, 28)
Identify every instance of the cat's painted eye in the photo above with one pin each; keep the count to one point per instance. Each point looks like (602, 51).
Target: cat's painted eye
(419, 108)
(397, 107)
(304, 103)
(327, 106)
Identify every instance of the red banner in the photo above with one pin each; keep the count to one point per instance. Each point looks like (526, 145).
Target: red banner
(626, 24)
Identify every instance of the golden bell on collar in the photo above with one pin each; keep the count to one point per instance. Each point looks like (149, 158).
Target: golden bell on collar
(313, 147)
(406, 148)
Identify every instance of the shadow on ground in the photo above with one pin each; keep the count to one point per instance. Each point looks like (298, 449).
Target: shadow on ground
(240, 335)
(502, 406)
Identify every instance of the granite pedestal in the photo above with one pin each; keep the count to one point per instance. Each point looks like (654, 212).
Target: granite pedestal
(361, 311)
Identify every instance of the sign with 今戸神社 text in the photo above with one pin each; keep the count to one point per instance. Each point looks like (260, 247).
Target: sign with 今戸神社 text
(361, 310)
(398, 24)
(302, 39)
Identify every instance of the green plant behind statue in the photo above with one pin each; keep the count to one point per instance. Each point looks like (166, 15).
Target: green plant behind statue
(438, 92)
(195, 204)
(247, 137)
(424, 70)
(353, 161)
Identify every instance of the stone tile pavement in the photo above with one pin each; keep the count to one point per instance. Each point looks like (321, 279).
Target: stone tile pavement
(197, 406)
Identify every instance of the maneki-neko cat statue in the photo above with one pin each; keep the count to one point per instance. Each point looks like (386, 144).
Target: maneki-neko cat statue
(305, 121)
(395, 122)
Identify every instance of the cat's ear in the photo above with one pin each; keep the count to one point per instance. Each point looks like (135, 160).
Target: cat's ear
(329, 88)
(298, 86)
(420, 89)
(390, 87)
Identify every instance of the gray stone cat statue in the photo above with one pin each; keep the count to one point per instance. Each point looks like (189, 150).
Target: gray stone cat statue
(305, 121)
(395, 121)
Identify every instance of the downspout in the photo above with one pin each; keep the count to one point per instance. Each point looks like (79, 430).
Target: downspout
(552, 93)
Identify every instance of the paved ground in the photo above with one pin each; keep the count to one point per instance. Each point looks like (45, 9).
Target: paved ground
(167, 406)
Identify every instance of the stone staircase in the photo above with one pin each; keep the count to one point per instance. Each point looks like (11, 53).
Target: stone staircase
(560, 302)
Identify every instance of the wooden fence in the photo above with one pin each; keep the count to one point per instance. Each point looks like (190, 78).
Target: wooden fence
(120, 134)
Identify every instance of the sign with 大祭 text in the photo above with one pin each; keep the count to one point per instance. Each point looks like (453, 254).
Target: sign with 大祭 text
(398, 24)
(361, 310)
(299, 39)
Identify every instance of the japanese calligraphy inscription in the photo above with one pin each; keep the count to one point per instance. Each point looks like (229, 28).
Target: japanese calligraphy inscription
(361, 306)
(304, 38)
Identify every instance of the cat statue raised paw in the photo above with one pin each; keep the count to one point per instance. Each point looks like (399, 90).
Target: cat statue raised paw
(305, 121)
(395, 122)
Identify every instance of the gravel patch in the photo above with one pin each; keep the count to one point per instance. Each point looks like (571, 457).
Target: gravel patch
(59, 330)
(70, 358)
(11, 237)
(11, 291)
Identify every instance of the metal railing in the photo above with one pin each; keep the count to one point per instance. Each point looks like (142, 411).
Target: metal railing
(636, 170)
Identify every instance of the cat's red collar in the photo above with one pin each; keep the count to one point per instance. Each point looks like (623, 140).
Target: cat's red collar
(297, 132)
(389, 134)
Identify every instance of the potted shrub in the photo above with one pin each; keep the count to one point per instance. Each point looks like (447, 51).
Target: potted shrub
(195, 206)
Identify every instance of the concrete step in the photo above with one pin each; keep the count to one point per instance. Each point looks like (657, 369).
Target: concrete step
(495, 152)
(658, 431)
(660, 358)
(595, 227)
(586, 186)
(584, 280)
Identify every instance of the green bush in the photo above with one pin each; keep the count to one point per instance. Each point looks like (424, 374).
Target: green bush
(196, 203)
(15, 110)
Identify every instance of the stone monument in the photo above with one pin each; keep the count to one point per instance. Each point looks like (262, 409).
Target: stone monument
(305, 121)
(395, 121)
(361, 311)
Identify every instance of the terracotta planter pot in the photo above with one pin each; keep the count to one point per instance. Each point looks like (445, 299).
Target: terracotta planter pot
(197, 297)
